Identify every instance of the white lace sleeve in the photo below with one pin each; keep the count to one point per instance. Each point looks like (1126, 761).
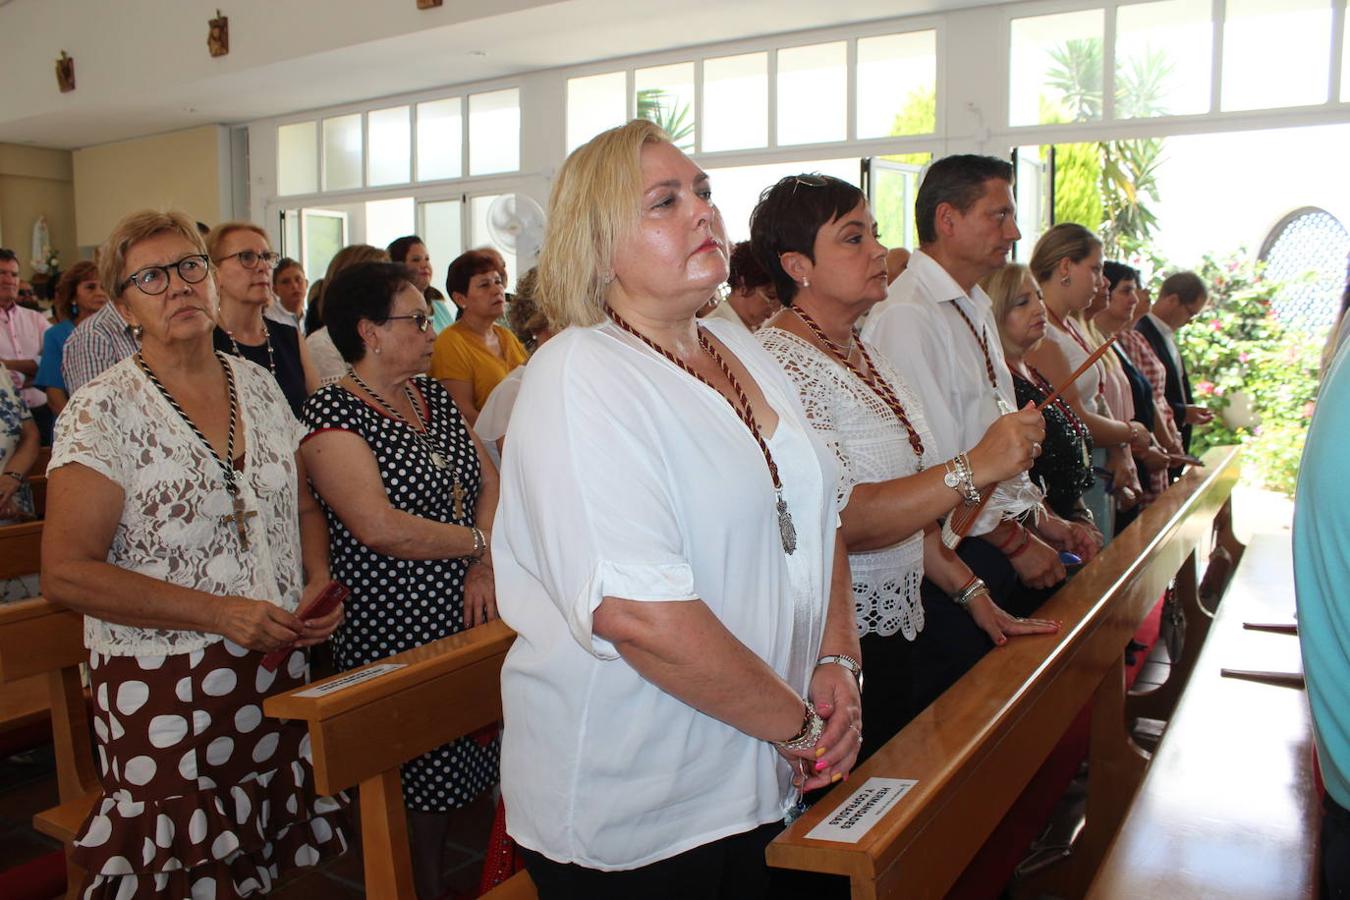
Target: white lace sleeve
(174, 524)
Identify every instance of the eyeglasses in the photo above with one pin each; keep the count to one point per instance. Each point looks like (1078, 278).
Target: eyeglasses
(814, 181)
(249, 259)
(154, 280)
(421, 320)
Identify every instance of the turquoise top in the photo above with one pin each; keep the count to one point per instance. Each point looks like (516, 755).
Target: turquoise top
(1322, 576)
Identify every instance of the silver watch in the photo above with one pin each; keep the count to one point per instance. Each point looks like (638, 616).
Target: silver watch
(847, 662)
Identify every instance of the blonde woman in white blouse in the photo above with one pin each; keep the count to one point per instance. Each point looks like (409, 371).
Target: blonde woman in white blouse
(816, 237)
(178, 524)
(671, 623)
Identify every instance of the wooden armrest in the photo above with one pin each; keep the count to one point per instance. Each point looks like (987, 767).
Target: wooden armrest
(37, 636)
(20, 549)
(442, 691)
(63, 822)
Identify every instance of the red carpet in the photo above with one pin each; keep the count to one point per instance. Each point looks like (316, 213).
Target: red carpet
(38, 879)
(992, 867)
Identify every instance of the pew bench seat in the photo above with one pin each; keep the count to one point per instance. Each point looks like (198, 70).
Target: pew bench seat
(1228, 807)
(63, 822)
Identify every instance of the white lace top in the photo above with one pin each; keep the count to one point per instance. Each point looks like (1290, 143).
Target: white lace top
(173, 526)
(871, 446)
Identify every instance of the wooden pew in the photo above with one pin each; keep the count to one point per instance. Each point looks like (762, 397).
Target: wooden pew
(20, 549)
(41, 642)
(362, 733)
(973, 750)
(1228, 808)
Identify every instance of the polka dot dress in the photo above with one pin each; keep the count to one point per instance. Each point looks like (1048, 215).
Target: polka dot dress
(398, 604)
(203, 795)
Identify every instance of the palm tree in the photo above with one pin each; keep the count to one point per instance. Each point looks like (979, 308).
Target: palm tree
(676, 118)
(1077, 75)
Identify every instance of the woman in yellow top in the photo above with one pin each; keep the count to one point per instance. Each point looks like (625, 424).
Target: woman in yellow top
(472, 356)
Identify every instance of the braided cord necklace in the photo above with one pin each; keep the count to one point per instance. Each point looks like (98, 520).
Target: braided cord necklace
(872, 379)
(741, 406)
(238, 516)
(982, 338)
(267, 337)
(438, 459)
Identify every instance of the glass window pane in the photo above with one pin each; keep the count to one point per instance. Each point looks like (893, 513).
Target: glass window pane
(342, 153)
(1292, 40)
(736, 189)
(897, 84)
(442, 232)
(665, 95)
(389, 219)
(595, 103)
(1164, 54)
(1056, 69)
(813, 94)
(440, 139)
(298, 158)
(736, 102)
(290, 233)
(1345, 63)
(325, 233)
(895, 183)
(479, 236)
(390, 144)
(494, 132)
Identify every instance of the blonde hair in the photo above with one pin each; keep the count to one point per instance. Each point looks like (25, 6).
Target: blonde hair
(224, 230)
(594, 203)
(133, 229)
(1067, 240)
(1002, 286)
(348, 256)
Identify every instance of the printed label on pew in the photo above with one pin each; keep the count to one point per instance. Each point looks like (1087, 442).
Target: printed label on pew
(863, 809)
(347, 681)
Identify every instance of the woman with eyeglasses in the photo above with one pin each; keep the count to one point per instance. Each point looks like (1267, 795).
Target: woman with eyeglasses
(243, 261)
(179, 524)
(410, 494)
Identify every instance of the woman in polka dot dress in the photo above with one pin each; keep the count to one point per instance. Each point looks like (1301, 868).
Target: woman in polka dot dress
(188, 569)
(409, 494)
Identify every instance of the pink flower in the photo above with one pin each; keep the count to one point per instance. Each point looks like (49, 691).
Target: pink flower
(1216, 325)
(1206, 388)
(1308, 409)
(1244, 356)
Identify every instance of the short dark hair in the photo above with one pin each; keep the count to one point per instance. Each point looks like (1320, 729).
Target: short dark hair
(361, 291)
(8, 255)
(1116, 272)
(282, 265)
(957, 180)
(399, 247)
(788, 217)
(745, 271)
(1187, 286)
(466, 266)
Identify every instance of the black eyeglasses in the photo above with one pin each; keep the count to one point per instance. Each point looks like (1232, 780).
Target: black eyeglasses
(421, 320)
(249, 259)
(154, 280)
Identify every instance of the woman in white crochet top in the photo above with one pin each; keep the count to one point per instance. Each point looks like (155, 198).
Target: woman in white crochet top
(816, 236)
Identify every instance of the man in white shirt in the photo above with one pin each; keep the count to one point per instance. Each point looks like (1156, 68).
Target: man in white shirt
(21, 331)
(937, 328)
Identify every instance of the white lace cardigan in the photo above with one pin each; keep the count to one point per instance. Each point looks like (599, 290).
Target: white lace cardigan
(172, 524)
(871, 446)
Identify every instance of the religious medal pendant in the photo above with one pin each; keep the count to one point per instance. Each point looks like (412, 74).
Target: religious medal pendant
(1003, 407)
(457, 494)
(786, 529)
(438, 459)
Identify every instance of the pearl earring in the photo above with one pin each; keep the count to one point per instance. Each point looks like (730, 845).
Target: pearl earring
(806, 282)
(377, 351)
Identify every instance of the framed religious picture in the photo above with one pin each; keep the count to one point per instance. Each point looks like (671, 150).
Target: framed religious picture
(218, 37)
(428, 4)
(65, 73)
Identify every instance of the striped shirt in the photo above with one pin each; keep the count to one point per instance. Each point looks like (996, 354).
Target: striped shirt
(96, 344)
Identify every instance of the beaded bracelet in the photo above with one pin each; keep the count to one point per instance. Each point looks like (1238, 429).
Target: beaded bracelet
(812, 726)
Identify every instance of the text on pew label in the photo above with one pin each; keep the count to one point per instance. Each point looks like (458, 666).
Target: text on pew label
(347, 681)
(863, 809)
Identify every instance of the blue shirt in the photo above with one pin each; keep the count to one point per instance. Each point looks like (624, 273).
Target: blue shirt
(1322, 576)
(53, 343)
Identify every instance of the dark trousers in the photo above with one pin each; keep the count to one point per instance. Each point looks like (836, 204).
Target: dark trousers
(888, 701)
(728, 869)
(1335, 850)
(44, 420)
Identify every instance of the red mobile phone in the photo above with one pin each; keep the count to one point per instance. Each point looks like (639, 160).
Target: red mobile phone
(324, 603)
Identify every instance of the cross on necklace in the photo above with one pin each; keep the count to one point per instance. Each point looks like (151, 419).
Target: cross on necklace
(457, 493)
(240, 518)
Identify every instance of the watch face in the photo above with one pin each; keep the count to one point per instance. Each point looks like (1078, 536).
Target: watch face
(951, 479)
